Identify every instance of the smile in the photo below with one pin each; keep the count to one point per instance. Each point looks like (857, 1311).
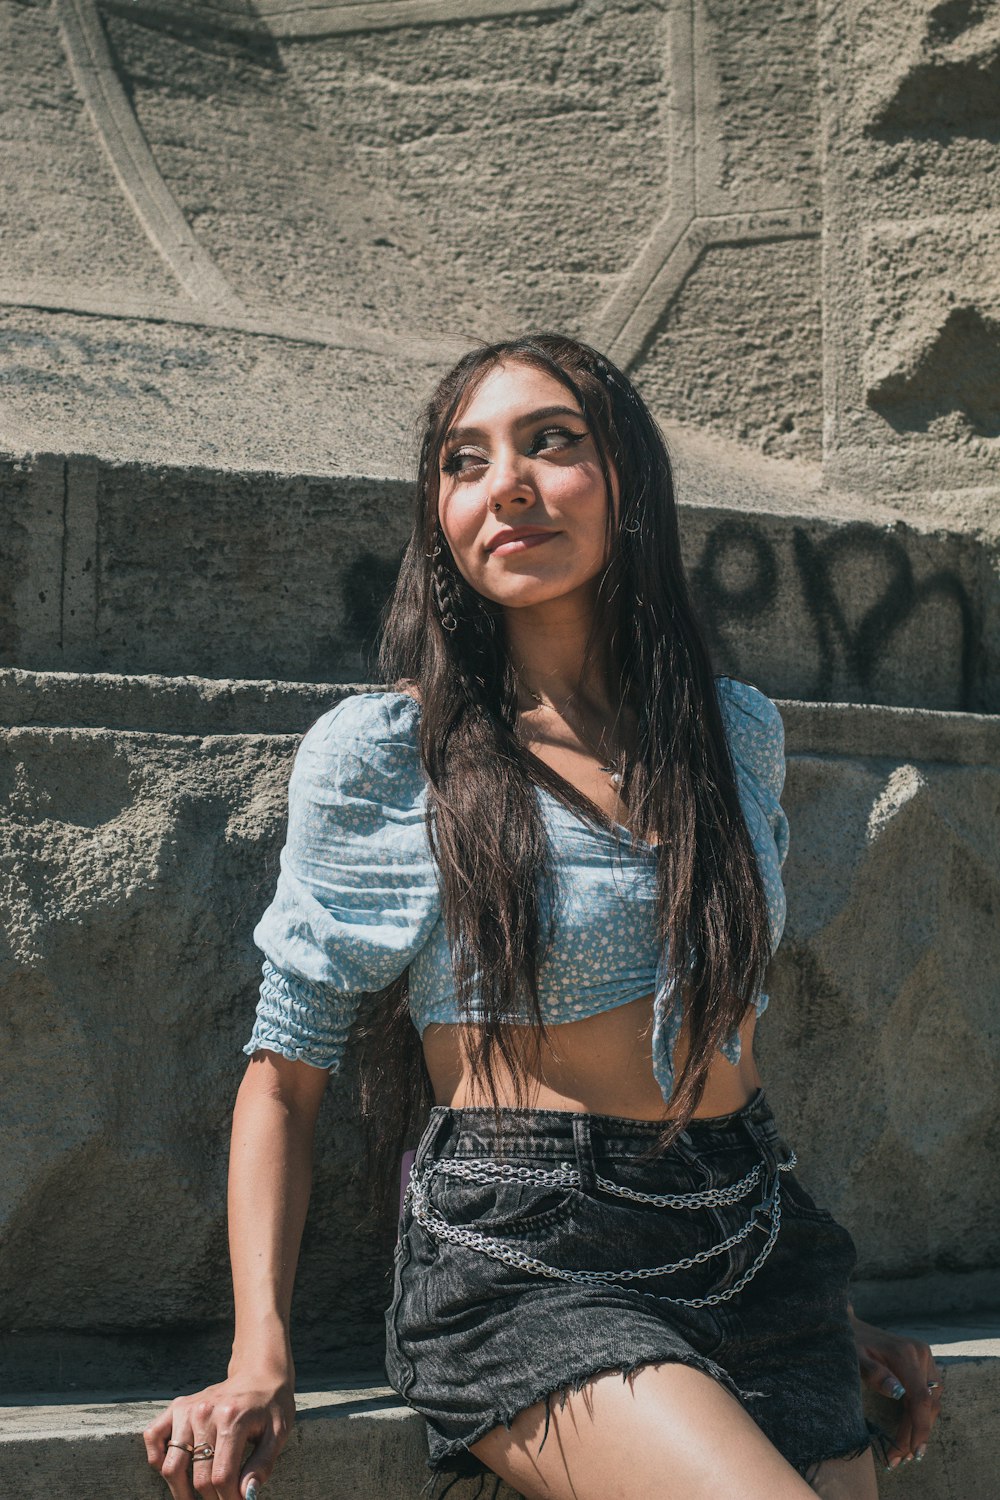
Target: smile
(522, 543)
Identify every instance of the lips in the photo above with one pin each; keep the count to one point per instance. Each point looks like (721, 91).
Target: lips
(519, 540)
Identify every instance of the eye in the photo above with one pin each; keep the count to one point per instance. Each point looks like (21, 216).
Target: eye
(460, 461)
(464, 461)
(564, 437)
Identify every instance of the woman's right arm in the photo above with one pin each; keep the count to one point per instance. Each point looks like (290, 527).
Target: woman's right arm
(270, 1175)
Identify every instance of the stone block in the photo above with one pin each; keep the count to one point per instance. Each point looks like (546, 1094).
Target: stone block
(360, 1439)
(127, 569)
(912, 344)
(933, 357)
(135, 866)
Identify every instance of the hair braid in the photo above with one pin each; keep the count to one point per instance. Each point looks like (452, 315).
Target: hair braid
(444, 582)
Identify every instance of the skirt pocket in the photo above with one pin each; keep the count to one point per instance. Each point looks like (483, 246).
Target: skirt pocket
(509, 1206)
(798, 1203)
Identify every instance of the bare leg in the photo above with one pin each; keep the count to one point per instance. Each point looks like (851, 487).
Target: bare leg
(670, 1432)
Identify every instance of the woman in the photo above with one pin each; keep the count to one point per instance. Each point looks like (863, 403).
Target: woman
(555, 848)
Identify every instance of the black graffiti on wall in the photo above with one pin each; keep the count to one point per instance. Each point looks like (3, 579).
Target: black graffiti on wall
(367, 585)
(845, 641)
(741, 577)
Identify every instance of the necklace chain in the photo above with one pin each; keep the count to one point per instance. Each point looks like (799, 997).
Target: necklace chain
(608, 770)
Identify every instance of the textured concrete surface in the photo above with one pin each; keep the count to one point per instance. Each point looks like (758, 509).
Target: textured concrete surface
(133, 871)
(135, 864)
(910, 123)
(116, 568)
(251, 240)
(238, 243)
(357, 1439)
(209, 706)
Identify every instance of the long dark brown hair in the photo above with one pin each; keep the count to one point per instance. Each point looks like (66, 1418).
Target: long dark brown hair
(483, 819)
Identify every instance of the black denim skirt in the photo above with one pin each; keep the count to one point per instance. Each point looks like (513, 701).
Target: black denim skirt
(515, 1275)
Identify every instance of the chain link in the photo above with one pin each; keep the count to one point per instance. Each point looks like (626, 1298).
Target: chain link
(486, 1170)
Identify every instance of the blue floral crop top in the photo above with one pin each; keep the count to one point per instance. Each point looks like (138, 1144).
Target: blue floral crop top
(358, 898)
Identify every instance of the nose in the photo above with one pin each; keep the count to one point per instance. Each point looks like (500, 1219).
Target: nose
(509, 481)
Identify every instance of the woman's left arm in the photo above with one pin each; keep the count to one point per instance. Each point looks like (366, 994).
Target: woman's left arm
(904, 1369)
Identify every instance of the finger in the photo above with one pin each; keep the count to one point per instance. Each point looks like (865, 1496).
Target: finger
(929, 1408)
(900, 1449)
(176, 1468)
(260, 1465)
(201, 1471)
(921, 1410)
(935, 1390)
(935, 1378)
(250, 1486)
(235, 1430)
(880, 1378)
(155, 1438)
(203, 1464)
(923, 1394)
(202, 1477)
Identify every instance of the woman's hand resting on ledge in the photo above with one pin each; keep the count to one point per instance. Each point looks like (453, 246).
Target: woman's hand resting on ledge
(250, 1407)
(904, 1369)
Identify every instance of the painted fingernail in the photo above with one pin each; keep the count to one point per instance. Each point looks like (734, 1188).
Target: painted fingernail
(253, 1493)
(920, 1452)
(897, 1390)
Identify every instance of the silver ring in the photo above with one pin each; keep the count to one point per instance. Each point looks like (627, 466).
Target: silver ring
(202, 1451)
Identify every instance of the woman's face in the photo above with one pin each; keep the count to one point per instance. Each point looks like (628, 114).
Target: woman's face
(522, 498)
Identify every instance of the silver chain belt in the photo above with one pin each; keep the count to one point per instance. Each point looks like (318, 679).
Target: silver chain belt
(485, 1170)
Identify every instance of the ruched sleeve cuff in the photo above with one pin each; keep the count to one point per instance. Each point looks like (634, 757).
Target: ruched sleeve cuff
(301, 1021)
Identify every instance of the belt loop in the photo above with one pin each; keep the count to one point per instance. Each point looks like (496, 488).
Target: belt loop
(440, 1116)
(584, 1153)
(768, 1153)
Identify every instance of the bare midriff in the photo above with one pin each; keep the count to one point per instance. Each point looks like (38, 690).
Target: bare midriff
(601, 1064)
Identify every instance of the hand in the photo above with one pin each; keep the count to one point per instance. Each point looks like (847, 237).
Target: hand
(904, 1369)
(251, 1407)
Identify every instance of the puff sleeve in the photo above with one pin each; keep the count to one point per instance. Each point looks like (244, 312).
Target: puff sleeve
(756, 737)
(357, 892)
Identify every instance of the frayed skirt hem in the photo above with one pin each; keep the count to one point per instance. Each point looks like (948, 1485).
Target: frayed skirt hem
(877, 1439)
(456, 1462)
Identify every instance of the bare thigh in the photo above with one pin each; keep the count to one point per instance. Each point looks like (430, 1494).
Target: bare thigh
(667, 1432)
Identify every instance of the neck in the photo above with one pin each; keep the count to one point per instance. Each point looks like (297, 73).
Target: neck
(547, 645)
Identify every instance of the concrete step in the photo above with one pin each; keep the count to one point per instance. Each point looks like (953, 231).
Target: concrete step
(195, 705)
(283, 576)
(356, 1441)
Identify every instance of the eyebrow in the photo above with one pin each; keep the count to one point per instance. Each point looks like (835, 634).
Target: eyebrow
(462, 434)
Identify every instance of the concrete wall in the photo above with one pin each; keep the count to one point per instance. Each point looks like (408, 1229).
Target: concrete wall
(135, 865)
(249, 240)
(239, 245)
(270, 576)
